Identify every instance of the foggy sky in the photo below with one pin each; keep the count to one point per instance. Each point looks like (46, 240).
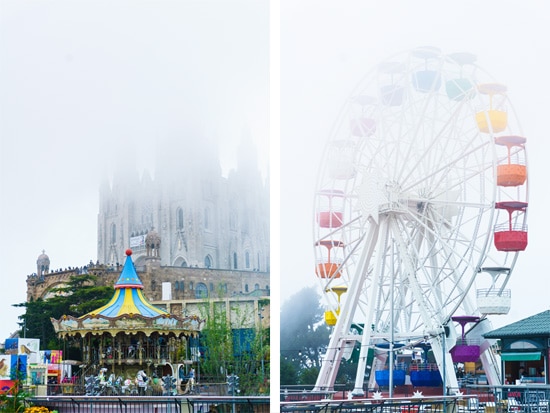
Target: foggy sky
(85, 84)
(326, 51)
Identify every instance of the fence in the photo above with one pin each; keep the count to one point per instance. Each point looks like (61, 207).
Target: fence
(441, 404)
(473, 399)
(168, 404)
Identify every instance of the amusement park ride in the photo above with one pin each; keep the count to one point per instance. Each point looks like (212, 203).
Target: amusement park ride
(420, 214)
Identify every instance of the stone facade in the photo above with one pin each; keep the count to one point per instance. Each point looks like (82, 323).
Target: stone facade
(244, 295)
(175, 283)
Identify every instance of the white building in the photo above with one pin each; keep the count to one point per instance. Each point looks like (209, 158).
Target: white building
(194, 216)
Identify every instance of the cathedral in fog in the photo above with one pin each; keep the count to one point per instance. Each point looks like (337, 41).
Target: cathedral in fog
(188, 214)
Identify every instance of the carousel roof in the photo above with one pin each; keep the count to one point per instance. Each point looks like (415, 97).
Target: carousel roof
(128, 311)
(128, 297)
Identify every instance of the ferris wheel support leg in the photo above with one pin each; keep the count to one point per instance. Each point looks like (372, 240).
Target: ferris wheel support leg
(333, 357)
(329, 368)
(445, 365)
(366, 336)
(490, 364)
(489, 360)
(362, 364)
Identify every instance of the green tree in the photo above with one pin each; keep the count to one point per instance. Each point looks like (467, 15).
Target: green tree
(289, 372)
(308, 375)
(304, 334)
(234, 345)
(217, 340)
(260, 352)
(304, 339)
(79, 296)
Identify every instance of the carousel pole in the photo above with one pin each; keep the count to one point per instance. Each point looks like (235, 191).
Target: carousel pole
(100, 350)
(140, 351)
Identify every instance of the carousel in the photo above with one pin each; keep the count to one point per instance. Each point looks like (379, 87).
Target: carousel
(129, 334)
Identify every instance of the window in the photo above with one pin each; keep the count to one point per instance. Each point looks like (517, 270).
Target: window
(256, 286)
(179, 219)
(246, 288)
(208, 261)
(201, 290)
(234, 260)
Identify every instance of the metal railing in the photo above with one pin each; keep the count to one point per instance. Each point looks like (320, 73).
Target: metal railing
(468, 399)
(172, 404)
(443, 404)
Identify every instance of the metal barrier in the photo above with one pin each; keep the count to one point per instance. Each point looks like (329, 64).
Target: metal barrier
(442, 404)
(167, 404)
(474, 399)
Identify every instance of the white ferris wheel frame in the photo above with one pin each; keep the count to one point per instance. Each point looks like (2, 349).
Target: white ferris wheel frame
(418, 199)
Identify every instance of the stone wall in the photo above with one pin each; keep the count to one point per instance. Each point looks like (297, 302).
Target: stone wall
(185, 283)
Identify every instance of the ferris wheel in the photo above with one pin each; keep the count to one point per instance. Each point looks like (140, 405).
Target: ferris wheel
(420, 208)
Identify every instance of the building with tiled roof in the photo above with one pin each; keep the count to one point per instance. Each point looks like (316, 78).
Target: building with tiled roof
(525, 349)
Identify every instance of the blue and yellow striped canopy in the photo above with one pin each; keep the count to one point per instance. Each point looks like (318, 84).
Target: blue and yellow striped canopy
(128, 298)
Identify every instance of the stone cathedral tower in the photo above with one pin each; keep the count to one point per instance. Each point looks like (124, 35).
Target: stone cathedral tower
(189, 212)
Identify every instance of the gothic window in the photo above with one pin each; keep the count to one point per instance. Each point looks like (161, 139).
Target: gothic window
(113, 233)
(247, 259)
(184, 263)
(256, 286)
(259, 266)
(208, 261)
(234, 260)
(179, 219)
(201, 290)
(246, 288)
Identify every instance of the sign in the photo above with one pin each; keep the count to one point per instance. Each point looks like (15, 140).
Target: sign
(137, 242)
